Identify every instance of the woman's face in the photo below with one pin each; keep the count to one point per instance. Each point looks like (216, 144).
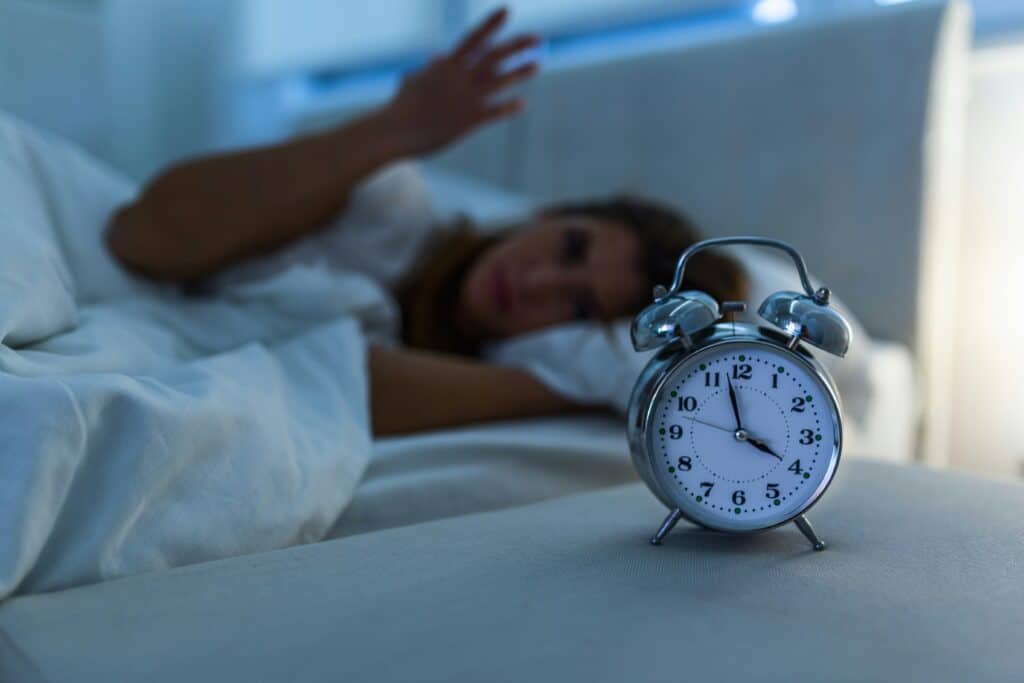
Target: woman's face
(555, 269)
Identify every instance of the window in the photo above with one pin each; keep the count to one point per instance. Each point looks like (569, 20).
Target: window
(995, 17)
(350, 35)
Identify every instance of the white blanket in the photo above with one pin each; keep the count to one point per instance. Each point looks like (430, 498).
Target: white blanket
(143, 430)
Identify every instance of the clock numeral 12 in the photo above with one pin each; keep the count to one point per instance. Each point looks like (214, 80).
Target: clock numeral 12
(742, 371)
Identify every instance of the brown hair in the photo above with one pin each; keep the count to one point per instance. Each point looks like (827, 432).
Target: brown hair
(664, 234)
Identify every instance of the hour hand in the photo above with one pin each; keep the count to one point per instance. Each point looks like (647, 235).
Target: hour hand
(763, 447)
(735, 407)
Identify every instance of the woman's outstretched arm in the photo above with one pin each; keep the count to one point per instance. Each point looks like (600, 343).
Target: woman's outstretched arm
(412, 390)
(201, 216)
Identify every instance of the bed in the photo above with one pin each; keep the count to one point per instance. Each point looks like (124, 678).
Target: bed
(921, 582)
(518, 550)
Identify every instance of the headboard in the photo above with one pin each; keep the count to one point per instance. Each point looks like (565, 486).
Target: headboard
(816, 132)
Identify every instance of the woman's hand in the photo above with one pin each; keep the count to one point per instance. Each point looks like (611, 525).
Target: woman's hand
(455, 93)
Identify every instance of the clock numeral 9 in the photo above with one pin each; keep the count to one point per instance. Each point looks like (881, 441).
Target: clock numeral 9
(739, 497)
(687, 403)
(773, 492)
(685, 463)
(806, 437)
(675, 432)
(798, 405)
(707, 486)
(742, 371)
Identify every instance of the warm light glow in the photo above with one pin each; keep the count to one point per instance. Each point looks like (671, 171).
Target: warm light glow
(773, 11)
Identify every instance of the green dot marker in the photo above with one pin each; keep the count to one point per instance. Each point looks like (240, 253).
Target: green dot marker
(671, 469)
(742, 358)
(737, 510)
(703, 367)
(817, 437)
(661, 431)
(782, 369)
(807, 475)
(810, 398)
(778, 502)
(675, 393)
(700, 498)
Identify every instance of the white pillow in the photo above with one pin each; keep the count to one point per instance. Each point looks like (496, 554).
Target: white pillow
(595, 363)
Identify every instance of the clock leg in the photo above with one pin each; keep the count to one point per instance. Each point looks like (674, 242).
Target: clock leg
(666, 526)
(807, 530)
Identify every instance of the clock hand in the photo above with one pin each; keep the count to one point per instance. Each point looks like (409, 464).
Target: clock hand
(724, 429)
(735, 407)
(762, 446)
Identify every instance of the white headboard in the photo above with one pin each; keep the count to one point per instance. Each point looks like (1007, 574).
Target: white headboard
(817, 133)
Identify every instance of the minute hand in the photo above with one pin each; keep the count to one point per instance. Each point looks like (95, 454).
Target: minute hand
(735, 407)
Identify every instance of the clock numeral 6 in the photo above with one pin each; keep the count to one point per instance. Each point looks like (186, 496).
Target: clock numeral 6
(772, 492)
(685, 463)
(739, 497)
(742, 371)
(707, 486)
(806, 436)
(675, 432)
(687, 403)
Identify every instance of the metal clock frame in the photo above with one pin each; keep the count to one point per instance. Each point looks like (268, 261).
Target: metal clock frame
(648, 389)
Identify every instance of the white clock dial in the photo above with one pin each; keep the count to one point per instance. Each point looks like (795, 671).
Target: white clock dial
(752, 466)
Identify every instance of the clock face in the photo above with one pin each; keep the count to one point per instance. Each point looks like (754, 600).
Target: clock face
(743, 435)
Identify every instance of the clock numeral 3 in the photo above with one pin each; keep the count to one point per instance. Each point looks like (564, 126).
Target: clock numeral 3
(806, 437)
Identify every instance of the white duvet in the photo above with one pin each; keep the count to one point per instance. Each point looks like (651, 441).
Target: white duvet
(142, 429)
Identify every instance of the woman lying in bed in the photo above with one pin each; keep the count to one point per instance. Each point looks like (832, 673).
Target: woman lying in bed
(593, 261)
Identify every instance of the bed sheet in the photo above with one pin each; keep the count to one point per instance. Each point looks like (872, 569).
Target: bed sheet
(449, 473)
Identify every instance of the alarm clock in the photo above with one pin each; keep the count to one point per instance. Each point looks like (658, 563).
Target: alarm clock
(733, 426)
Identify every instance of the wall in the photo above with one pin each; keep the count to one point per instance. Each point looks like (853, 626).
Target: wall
(989, 366)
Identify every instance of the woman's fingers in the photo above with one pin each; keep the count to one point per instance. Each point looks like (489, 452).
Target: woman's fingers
(480, 35)
(491, 61)
(500, 110)
(510, 78)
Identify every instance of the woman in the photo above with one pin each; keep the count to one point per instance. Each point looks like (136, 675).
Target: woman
(594, 261)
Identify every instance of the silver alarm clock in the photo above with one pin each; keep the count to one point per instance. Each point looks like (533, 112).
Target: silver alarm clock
(736, 427)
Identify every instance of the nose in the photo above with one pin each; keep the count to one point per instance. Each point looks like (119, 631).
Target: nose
(543, 281)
